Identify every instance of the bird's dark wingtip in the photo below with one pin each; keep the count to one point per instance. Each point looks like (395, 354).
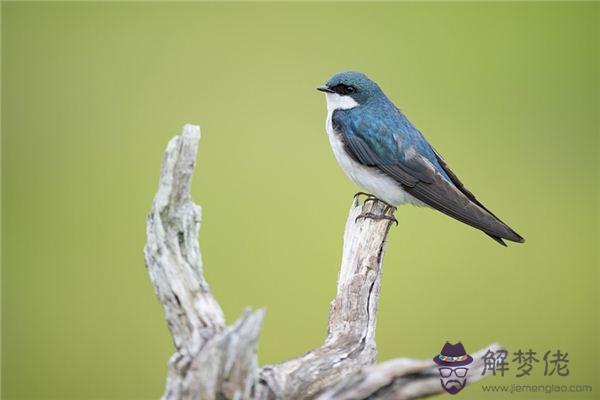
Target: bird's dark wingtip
(514, 238)
(497, 239)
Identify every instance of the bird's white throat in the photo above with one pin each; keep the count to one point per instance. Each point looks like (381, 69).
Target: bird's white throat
(337, 102)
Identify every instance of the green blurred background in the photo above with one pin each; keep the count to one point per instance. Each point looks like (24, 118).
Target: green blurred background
(91, 93)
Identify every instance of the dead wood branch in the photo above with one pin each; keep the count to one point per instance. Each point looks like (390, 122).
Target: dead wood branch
(213, 361)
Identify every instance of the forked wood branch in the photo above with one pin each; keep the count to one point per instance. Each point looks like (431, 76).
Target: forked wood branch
(213, 361)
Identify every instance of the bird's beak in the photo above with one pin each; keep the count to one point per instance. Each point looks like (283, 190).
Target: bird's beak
(325, 89)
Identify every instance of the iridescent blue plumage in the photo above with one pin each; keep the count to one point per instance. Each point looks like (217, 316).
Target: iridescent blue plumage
(382, 151)
(387, 132)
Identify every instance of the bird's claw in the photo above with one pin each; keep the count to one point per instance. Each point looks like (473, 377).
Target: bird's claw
(368, 195)
(371, 197)
(377, 217)
(374, 216)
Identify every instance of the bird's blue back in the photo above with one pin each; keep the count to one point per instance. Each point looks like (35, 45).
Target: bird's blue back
(387, 131)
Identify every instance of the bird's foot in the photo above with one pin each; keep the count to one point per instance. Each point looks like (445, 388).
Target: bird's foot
(377, 217)
(371, 197)
(368, 195)
(372, 215)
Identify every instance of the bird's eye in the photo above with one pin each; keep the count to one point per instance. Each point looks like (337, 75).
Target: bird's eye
(343, 89)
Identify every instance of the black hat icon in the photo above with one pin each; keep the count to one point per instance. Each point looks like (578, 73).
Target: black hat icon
(453, 355)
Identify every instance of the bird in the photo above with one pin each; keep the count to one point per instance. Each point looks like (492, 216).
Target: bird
(383, 153)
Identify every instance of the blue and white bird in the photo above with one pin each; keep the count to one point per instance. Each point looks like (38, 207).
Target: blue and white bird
(383, 153)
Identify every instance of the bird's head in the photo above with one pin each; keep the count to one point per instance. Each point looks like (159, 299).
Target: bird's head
(349, 89)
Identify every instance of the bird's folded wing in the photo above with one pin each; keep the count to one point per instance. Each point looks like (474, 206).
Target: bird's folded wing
(456, 181)
(421, 179)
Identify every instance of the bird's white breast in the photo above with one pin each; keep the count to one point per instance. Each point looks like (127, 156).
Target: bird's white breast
(369, 179)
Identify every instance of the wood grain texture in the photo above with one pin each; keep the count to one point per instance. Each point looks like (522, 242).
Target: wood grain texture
(211, 361)
(214, 361)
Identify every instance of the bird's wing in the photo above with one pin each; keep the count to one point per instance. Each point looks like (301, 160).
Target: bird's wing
(460, 186)
(421, 178)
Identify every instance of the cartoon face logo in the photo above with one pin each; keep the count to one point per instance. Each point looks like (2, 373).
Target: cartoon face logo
(452, 362)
